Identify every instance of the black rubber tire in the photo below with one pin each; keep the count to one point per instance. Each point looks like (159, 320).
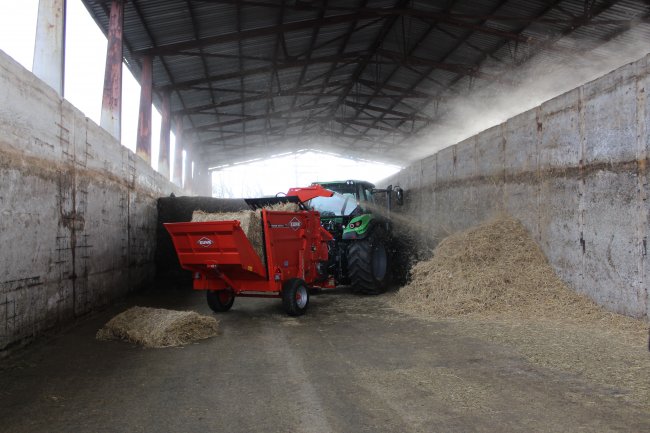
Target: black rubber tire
(220, 301)
(295, 297)
(369, 264)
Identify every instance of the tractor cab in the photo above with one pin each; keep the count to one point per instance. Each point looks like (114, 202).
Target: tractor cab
(357, 215)
(355, 204)
(351, 199)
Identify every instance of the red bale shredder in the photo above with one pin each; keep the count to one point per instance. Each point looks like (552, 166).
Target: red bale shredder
(225, 264)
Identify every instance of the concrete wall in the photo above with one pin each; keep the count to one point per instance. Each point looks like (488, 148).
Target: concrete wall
(573, 170)
(77, 210)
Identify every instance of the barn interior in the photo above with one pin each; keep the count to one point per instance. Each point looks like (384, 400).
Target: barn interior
(530, 112)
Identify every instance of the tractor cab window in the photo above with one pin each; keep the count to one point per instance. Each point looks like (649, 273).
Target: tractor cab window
(336, 205)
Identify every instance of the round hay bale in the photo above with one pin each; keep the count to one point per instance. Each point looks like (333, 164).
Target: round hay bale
(157, 327)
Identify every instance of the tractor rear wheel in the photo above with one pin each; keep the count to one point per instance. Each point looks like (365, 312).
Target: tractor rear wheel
(220, 301)
(368, 264)
(295, 297)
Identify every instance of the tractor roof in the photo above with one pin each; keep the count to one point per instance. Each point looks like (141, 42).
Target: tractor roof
(349, 182)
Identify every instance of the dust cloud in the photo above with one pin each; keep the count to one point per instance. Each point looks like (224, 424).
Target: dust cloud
(565, 65)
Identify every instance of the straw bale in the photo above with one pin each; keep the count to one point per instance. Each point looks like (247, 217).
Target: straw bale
(284, 207)
(152, 327)
(250, 221)
(495, 267)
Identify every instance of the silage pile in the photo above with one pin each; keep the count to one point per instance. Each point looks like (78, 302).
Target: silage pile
(492, 268)
(250, 221)
(154, 327)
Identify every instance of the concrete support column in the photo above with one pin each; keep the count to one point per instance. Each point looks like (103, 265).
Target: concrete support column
(202, 183)
(188, 181)
(143, 148)
(165, 135)
(49, 47)
(178, 152)
(111, 117)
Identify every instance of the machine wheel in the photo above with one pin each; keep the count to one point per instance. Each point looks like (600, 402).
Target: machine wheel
(295, 297)
(368, 264)
(220, 301)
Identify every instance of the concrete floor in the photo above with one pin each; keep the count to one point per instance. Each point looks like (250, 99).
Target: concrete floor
(350, 365)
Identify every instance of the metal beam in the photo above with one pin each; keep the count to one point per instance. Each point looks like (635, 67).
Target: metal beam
(351, 58)
(453, 49)
(472, 70)
(405, 116)
(111, 116)
(363, 63)
(371, 126)
(242, 83)
(178, 151)
(204, 62)
(540, 46)
(145, 26)
(165, 136)
(300, 121)
(308, 53)
(143, 147)
(358, 14)
(273, 77)
(378, 87)
(282, 93)
(49, 47)
(247, 118)
(247, 34)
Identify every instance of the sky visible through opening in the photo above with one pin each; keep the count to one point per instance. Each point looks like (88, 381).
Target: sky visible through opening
(260, 178)
(84, 79)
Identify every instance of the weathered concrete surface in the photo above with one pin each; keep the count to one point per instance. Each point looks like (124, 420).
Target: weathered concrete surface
(573, 170)
(78, 210)
(349, 365)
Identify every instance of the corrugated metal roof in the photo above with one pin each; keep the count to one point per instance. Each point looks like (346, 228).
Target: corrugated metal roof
(256, 77)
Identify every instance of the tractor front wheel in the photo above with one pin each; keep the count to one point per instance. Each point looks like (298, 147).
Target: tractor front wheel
(220, 301)
(368, 264)
(295, 297)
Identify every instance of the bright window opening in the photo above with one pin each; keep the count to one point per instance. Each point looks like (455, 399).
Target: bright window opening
(277, 174)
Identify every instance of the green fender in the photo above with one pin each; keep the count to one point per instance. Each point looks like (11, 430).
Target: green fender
(359, 227)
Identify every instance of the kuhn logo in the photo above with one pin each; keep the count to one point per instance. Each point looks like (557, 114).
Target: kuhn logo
(205, 242)
(295, 223)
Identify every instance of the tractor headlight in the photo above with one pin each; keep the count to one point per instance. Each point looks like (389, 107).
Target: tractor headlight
(355, 225)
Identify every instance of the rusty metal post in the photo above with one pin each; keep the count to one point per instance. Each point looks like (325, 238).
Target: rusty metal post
(178, 152)
(143, 147)
(111, 117)
(49, 47)
(165, 135)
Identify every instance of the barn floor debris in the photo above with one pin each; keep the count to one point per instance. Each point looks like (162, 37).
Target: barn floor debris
(352, 364)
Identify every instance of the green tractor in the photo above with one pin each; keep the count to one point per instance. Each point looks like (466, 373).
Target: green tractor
(358, 216)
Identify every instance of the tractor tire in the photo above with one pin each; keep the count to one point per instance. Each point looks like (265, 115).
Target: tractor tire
(220, 301)
(368, 264)
(295, 297)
